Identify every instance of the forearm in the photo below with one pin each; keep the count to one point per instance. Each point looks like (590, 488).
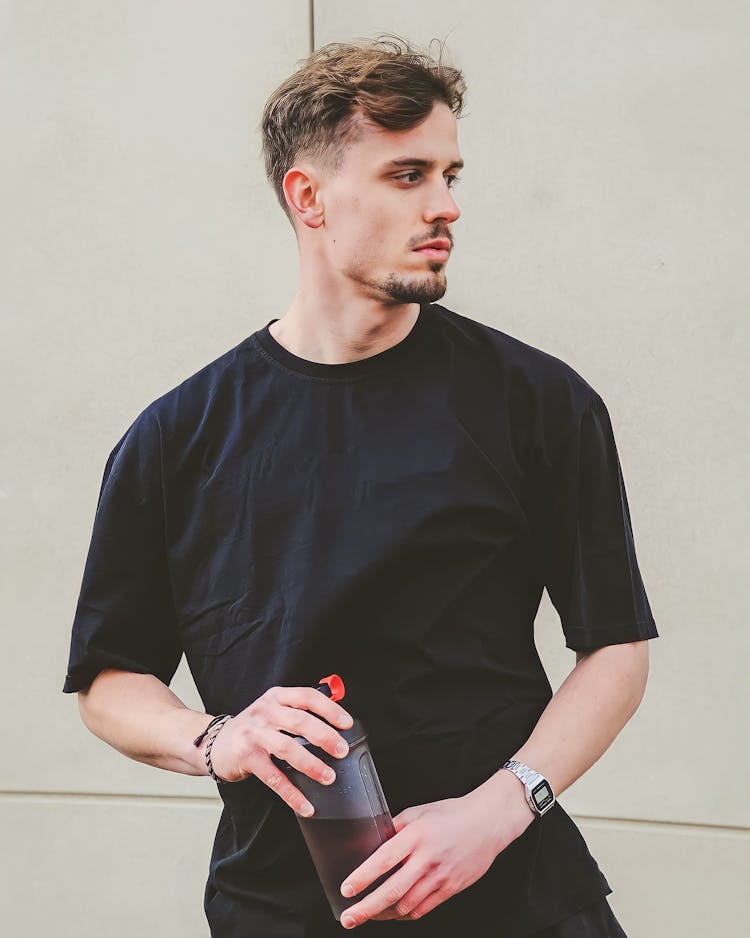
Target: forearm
(582, 719)
(140, 717)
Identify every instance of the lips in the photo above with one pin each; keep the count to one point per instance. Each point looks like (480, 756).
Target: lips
(438, 250)
(439, 244)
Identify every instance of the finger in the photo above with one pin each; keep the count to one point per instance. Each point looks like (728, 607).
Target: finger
(399, 823)
(387, 896)
(430, 903)
(406, 817)
(302, 723)
(272, 776)
(413, 898)
(382, 861)
(289, 750)
(307, 698)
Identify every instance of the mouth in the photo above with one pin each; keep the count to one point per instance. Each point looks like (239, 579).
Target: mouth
(434, 254)
(438, 250)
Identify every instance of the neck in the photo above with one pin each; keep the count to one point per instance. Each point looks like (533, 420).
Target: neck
(333, 333)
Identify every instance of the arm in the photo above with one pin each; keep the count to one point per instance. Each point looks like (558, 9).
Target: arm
(448, 845)
(582, 720)
(140, 717)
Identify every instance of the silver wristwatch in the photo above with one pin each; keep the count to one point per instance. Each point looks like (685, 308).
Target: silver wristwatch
(539, 792)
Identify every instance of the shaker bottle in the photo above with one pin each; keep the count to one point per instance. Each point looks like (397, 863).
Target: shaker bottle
(351, 818)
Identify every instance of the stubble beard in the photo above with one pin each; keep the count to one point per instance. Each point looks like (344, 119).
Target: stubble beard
(401, 290)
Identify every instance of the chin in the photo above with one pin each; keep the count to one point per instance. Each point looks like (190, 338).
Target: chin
(421, 290)
(399, 288)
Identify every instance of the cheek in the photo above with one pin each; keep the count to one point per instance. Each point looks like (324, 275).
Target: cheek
(364, 231)
(369, 240)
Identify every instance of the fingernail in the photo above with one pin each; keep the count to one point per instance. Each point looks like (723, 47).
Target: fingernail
(329, 775)
(347, 890)
(347, 921)
(307, 809)
(341, 749)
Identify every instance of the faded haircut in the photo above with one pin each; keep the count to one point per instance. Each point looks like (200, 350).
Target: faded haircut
(317, 112)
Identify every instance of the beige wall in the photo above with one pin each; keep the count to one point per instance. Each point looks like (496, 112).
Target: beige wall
(605, 209)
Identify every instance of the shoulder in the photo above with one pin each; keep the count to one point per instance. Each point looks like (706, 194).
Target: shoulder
(209, 387)
(556, 394)
(182, 412)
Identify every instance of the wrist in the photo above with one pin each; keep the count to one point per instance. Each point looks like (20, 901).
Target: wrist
(192, 753)
(503, 798)
(207, 739)
(518, 793)
(537, 789)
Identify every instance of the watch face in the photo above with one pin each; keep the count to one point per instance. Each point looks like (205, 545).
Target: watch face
(542, 795)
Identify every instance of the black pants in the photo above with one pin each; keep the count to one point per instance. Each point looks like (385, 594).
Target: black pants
(597, 921)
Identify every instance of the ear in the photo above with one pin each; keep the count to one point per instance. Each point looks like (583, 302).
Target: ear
(301, 190)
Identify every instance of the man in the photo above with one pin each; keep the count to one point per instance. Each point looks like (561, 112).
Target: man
(377, 486)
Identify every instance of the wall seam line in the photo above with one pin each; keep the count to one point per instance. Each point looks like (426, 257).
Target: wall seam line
(94, 796)
(215, 801)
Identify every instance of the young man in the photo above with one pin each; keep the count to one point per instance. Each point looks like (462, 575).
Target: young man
(377, 486)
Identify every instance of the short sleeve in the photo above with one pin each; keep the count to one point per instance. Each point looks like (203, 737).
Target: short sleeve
(584, 539)
(124, 617)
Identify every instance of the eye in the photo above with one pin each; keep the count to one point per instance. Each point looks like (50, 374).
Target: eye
(412, 172)
(451, 178)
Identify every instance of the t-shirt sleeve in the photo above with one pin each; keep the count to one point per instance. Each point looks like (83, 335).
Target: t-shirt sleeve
(584, 538)
(124, 617)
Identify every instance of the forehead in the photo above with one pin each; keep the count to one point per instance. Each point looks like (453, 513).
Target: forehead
(435, 140)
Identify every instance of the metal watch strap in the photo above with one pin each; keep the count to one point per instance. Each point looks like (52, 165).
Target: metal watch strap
(530, 778)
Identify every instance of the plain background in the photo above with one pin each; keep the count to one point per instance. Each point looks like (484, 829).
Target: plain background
(605, 220)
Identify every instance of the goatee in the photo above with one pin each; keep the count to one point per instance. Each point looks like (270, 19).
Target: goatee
(415, 291)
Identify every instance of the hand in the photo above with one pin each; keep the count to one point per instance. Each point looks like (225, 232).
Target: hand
(446, 845)
(245, 743)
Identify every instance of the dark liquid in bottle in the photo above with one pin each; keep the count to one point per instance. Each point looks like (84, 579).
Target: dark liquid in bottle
(338, 846)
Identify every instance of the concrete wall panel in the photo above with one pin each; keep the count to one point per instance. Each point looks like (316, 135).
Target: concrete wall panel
(120, 867)
(127, 866)
(672, 880)
(140, 241)
(605, 219)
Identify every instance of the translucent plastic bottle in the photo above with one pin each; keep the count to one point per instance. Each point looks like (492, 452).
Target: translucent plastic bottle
(351, 817)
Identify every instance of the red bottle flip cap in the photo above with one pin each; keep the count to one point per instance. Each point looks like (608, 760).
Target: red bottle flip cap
(335, 685)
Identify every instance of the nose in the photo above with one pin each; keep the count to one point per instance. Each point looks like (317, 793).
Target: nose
(441, 204)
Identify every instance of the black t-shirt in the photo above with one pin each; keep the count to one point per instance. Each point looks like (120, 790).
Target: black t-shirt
(394, 520)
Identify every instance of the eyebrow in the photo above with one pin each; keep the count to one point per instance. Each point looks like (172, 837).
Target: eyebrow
(416, 161)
